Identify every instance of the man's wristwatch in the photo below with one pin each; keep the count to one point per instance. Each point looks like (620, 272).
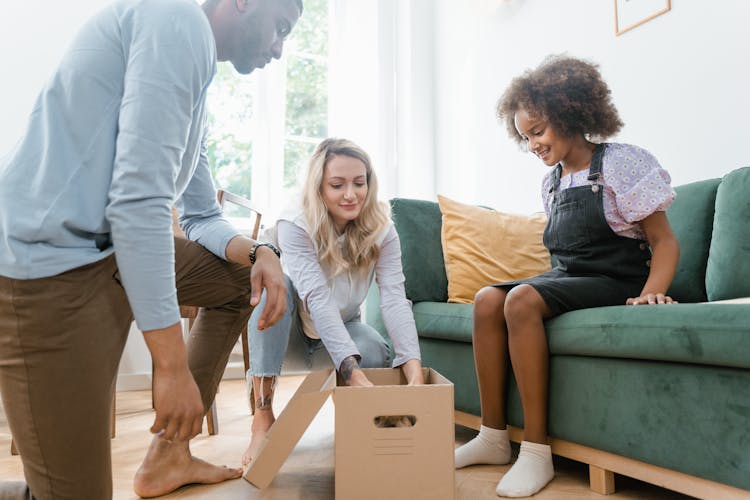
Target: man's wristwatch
(255, 247)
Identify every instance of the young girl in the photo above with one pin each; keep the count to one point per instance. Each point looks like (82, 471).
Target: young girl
(333, 244)
(609, 239)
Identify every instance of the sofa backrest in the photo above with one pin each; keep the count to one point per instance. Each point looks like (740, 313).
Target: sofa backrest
(691, 216)
(728, 266)
(710, 218)
(418, 223)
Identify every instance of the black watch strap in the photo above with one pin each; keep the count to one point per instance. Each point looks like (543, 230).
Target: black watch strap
(255, 247)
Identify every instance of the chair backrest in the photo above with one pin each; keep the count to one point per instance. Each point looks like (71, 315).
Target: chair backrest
(232, 203)
(241, 211)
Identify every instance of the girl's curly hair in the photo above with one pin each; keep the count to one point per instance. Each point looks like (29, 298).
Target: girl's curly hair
(569, 93)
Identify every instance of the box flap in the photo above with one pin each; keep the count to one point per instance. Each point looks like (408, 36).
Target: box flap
(433, 377)
(289, 427)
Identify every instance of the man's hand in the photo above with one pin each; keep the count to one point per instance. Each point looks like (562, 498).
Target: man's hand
(352, 374)
(179, 410)
(266, 273)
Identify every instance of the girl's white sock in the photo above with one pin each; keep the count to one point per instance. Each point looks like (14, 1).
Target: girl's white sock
(491, 446)
(531, 472)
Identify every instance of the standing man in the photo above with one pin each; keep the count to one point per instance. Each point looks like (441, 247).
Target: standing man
(115, 139)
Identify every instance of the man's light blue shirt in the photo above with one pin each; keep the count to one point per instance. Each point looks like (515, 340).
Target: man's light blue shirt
(115, 139)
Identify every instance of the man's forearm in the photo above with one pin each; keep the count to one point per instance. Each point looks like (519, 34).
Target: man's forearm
(167, 347)
(238, 250)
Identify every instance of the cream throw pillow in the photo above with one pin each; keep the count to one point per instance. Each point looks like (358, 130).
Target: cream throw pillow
(483, 247)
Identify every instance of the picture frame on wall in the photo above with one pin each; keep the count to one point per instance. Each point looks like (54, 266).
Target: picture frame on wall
(630, 14)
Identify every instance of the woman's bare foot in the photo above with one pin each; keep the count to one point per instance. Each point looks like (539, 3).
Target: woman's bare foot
(262, 422)
(168, 466)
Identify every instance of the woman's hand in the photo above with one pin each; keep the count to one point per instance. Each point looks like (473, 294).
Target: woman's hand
(352, 374)
(413, 372)
(651, 298)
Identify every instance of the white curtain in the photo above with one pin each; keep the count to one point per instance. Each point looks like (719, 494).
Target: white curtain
(268, 123)
(382, 88)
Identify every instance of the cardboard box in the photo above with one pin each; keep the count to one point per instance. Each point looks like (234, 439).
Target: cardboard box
(372, 461)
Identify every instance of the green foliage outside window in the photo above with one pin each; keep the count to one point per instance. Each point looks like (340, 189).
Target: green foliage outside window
(307, 90)
(306, 123)
(229, 144)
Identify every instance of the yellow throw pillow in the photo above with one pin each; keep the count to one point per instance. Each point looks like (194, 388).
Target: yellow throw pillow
(483, 247)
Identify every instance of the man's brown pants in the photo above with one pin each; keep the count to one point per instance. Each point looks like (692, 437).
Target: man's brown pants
(61, 339)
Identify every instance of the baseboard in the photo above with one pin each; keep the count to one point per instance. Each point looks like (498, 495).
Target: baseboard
(234, 370)
(602, 464)
(142, 381)
(133, 382)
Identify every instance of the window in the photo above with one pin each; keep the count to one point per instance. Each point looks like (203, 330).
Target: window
(263, 127)
(230, 152)
(307, 90)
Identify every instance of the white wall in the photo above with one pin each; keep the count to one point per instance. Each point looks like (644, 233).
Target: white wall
(33, 38)
(679, 81)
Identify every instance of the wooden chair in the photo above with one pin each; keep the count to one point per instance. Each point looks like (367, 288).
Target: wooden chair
(230, 202)
(226, 200)
(225, 197)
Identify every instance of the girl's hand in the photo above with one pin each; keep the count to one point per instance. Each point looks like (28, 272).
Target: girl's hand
(651, 298)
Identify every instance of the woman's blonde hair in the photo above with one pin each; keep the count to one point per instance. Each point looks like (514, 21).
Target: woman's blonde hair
(360, 246)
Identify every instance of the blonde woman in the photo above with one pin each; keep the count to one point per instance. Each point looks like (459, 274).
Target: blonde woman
(333, 242)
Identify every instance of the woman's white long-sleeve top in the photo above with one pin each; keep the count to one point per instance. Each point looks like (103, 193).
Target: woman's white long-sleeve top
(332, 300)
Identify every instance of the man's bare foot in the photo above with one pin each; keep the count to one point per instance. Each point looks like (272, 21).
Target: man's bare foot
(262, 422)
(168, 466)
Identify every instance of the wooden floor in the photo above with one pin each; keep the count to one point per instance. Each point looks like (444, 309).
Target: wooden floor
(308, 472)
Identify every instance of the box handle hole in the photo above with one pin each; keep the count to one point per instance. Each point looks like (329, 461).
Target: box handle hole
(395, 421)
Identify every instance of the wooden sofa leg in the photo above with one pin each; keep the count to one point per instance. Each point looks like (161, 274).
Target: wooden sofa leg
(601, 481)
(13, 449)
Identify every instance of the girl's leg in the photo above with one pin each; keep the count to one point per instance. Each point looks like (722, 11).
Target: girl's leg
(490, 342)
(525, 311)
(267, 350)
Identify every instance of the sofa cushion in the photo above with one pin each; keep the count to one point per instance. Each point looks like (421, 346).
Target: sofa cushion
(446, 321)
(483, 246)
(709, 334)
(691, 216)
(728, 269)
(418, 225)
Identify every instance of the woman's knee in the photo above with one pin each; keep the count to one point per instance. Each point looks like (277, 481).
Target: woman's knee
(372, 346)
(377, 355)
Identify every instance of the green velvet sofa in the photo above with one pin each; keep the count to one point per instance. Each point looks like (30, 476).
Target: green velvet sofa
(660, 393)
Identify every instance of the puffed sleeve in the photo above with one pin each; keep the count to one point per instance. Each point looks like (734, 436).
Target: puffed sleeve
(641, 186)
